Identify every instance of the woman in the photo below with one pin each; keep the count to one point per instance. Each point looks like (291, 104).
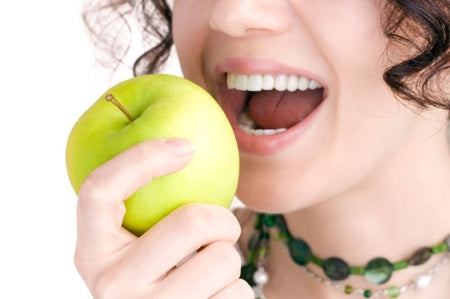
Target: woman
(340, 110)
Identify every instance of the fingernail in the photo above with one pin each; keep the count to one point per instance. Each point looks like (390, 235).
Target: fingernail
(179, 146)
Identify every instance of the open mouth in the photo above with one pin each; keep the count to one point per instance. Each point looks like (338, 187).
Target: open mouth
(265, 104)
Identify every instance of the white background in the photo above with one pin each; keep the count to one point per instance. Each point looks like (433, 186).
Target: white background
(48, 77)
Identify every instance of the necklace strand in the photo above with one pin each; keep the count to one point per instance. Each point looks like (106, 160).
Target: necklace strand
(421, 282)
(254, 272)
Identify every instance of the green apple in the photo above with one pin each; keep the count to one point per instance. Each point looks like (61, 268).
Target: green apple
(158, 106)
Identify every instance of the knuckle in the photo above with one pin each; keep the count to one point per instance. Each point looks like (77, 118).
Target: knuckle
(79, 261)
(226, 255)
(140, 151)
(239, 288)
(94, 193)
(84, 262)
(234, 226)
(105, 286)
(195, 218)
(85, 266)
(244, 290)
(91, 189)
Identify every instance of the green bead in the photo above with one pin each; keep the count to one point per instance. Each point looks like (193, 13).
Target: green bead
(421, 256)
(269, 220)
(348, 289)
(367, 294)
(247, 273)
(283, 228)
(393, 292)
(253, 242)
(283, 237)
(251, 256)
(300, 251)
(336, 269)
(265, 236)
(278, 236)
(447, 242)
(378, 271)
(258, 221)
(262, 252)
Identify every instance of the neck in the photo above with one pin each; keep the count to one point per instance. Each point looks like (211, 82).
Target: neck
(402, 208)
(399, 210)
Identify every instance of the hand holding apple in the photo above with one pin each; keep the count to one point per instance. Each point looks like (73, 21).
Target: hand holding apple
(151, 107)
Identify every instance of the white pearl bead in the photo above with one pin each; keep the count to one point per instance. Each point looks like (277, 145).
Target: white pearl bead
(422, 281)
(258, 292)
(260, 277)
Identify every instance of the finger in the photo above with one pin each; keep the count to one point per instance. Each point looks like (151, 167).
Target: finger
(101, 196)
(176, 236)
(238, 289)
(205, 274)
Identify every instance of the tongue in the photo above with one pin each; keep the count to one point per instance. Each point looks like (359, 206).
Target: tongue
(275, 109)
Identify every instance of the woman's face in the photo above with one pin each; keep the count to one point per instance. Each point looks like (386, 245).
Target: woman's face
(337, 136)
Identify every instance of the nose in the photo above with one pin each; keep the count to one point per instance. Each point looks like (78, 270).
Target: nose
(240, 18)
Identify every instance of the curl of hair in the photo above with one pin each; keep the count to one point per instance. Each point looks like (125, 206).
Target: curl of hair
(109, 25)
(420, 27)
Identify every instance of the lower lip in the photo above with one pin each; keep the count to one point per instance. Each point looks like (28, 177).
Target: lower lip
(269, 144)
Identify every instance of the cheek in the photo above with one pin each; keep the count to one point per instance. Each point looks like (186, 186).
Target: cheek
(352, 38)
(355, 46)
(190, 31)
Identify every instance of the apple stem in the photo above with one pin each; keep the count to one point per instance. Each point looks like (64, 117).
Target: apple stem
(110, 98)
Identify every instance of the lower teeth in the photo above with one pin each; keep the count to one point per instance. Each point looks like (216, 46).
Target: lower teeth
(249, 127)
(260, 132)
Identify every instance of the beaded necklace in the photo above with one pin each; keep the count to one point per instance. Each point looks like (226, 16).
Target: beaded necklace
(377, 271)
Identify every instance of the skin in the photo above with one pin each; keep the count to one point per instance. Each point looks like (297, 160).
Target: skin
(116, 264)
(345, 171)
(366, 163)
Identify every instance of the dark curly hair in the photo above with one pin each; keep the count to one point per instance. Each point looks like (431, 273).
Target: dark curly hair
(419, 26)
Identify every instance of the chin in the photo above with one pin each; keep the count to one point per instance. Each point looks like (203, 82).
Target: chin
(273, 202)
(268, 191)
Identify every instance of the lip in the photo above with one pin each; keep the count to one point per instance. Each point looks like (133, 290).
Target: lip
(230, 100)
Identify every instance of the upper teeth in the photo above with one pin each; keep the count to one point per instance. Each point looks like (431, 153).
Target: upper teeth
(279, 82)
